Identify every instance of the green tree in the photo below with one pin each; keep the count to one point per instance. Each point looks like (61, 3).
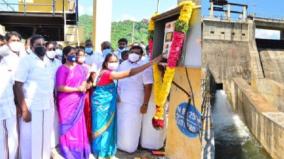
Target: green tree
(120, 29)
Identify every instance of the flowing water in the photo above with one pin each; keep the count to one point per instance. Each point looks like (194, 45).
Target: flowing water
(232, 138)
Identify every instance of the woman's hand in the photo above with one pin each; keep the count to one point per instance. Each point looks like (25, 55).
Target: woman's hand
(82, 89)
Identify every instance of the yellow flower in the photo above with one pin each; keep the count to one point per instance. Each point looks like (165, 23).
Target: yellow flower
(186, 3)
(166, 86)
(162, 88)
(151, 26)
(157, 82)
(184, 19)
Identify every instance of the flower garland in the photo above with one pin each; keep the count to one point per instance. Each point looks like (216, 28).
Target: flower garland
(162, 86)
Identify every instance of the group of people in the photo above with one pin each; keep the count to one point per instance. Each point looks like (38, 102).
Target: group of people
(77, 100)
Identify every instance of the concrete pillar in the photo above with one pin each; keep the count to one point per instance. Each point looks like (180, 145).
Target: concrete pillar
(229, 11)
(282, 35)
(244, 13)
(102, 14)
(211, 9)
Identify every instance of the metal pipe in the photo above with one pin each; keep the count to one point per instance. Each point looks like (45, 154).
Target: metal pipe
(25, 9)
(53, 7)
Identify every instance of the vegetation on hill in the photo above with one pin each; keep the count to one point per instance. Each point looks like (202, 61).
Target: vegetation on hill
(120, 29)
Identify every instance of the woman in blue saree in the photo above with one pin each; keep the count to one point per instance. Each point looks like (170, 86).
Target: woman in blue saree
(104, 100)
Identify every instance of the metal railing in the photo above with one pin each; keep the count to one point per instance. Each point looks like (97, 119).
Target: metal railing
(24, 6)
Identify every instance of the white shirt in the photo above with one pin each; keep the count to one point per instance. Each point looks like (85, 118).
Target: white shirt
(118, 53)
(95, 59)
(53, 65)
(131, 89)
(7, 105)
(8, 66)
(38, 82)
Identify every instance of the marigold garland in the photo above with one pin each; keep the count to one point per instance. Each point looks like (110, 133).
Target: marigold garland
(162, 87)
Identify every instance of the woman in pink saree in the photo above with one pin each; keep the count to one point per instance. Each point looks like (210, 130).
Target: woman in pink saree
(71, 87)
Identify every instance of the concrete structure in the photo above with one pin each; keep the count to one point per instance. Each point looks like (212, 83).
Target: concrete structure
(56, 20)
(102, 15)
(262, 118)
(251, 72)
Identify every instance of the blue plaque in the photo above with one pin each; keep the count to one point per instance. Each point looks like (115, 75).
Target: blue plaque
(193, 119)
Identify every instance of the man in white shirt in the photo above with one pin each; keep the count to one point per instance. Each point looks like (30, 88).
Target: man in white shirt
(132, 110)
(53, 64)
(122, 46)
(93, 58)
(34, 85)
(9, 58)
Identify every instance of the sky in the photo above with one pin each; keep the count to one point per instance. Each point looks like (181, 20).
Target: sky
(139, 9)
(260, 8)
(130, 9)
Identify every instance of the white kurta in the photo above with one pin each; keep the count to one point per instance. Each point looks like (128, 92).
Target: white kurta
(54, 65)
(38, 92)
(131, 123)
(8, 117)
(96, 60)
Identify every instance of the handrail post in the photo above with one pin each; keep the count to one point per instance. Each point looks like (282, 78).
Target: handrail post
(53, 7)
(25, 9)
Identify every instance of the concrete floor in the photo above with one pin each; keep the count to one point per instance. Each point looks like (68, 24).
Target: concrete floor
(139, 154)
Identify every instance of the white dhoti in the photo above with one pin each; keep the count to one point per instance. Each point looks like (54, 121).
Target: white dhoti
(54, 129)
(130, 122)
(35, 135)
(150, 137)
(8, 138)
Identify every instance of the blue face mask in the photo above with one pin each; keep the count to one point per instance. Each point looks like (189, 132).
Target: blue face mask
(89, 50)
(71, 58)
(106, 52)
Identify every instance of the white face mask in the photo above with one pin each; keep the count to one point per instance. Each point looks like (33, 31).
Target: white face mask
(81, 59)
(16, 46)
(50, 54)
(133, 57)
(58, 52)
(112, 66)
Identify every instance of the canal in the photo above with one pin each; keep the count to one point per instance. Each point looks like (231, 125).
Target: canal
(233, 140)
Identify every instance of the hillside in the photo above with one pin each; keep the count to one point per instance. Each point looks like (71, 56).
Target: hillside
(119, 30)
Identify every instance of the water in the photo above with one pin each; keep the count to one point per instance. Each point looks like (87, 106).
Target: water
(232, 138)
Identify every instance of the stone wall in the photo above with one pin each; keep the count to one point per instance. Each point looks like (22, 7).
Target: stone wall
(273, 64)
(225, 49)
(272, 91)
(226, 59)
(263, 119)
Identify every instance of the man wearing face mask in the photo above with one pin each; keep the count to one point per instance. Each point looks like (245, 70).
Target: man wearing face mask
(53, 65)
(8, 116)
(34, 91)
(51, 54)
(106, 48)
(132, 110)
(122, 46)
(92, 57)
(14, 48)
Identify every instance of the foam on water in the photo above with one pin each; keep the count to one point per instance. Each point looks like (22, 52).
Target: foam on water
(232, 138)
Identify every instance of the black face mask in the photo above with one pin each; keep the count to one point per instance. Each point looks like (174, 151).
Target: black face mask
(40, 51)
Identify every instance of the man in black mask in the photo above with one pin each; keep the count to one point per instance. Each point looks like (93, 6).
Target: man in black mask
(34, 92)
